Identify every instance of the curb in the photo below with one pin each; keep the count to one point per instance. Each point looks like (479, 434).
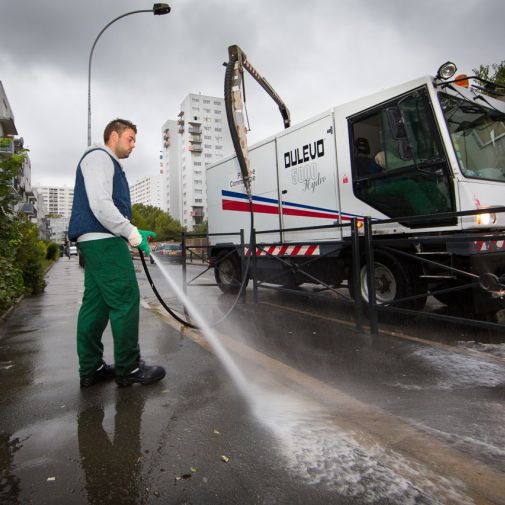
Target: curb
(8, 312)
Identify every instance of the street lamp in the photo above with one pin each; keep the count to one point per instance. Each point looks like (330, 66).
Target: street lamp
(157, 10)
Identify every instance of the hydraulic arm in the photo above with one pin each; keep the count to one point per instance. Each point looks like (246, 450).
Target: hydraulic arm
(235, 103)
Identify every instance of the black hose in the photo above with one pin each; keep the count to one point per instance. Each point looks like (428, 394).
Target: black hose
(158, 296)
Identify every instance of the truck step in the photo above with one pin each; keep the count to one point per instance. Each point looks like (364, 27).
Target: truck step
(437, 277)
(433, 253)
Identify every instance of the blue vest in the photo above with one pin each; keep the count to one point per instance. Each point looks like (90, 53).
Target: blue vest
(82, 219)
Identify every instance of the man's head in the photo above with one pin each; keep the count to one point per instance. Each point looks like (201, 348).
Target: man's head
(120, 135)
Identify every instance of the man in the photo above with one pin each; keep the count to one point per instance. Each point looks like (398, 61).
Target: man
(100, 223)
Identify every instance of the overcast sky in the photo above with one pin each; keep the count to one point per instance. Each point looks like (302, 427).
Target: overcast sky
(315, 54)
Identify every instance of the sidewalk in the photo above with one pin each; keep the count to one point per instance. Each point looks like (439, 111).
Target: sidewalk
(145, 444)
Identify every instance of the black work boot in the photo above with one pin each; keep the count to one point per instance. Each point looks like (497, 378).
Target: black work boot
(103, 373)
(143, 374)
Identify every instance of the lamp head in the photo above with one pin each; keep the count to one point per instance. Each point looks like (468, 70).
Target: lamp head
(447, 70)
(160, 9)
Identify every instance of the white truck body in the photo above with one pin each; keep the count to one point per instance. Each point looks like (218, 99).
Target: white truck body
(318, 189)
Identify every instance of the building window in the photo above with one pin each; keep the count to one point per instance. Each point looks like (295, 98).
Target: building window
(197, 164)
(206, 101)
(217, 111)
(218, 147)
(218, 129)
(217, 102)
(208, 146)
(207, 137)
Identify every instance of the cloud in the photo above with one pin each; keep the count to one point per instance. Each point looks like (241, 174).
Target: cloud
(315, 54)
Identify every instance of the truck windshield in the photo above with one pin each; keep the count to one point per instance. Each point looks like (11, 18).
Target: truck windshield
(478, 137)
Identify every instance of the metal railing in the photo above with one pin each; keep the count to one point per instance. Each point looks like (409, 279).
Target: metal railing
(362, 245)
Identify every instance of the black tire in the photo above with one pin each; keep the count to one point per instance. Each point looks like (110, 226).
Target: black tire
(394, 279)
(227, 272)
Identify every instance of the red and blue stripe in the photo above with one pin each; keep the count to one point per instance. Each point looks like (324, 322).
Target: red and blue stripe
(238, 202)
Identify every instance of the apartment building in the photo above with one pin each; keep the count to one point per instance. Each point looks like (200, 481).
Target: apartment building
(149, 190)
(203, 138)
(57, 200)
(11, 144)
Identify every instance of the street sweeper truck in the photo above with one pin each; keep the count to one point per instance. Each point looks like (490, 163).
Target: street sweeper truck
(410, 159)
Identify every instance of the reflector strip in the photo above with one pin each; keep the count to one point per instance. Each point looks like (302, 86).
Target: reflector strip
(489, 245)
(286, 250)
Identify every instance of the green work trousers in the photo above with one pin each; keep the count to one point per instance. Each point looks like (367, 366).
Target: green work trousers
(111, 292)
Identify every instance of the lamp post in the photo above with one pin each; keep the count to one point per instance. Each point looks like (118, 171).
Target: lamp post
(158, 10)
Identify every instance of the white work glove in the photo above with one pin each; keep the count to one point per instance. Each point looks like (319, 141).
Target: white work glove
(135, 238)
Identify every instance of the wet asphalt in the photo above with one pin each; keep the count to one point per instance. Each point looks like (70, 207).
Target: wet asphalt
(335, 416)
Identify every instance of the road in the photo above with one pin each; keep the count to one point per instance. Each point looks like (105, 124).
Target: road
(325, 414)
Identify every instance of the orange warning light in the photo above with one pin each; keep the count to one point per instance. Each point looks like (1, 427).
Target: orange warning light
(461, 80)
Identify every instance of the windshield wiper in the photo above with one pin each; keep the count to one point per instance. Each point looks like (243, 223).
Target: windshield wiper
(495, 114)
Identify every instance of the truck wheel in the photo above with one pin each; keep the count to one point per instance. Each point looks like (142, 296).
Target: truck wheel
(227, 272)
(393, 280)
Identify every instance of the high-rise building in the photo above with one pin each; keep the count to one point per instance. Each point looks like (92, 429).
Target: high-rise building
(57, 200)
(169, 167)
(149, 190)
(203, 138)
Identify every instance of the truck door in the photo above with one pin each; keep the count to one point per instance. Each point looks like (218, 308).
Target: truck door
(398, 163)
(307, 180)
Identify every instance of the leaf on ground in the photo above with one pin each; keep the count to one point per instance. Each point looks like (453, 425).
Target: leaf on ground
(225, 459)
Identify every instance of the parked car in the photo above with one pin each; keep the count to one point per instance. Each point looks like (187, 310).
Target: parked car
(169, 252)
(73, 250)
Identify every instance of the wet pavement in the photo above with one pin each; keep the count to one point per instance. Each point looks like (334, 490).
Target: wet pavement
(332, 415)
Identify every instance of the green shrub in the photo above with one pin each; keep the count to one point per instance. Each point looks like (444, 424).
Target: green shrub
(30, 253)
(53, 251)
(11, 284)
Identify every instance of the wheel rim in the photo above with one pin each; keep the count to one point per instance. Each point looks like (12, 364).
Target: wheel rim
(227, 272)
(386, 287)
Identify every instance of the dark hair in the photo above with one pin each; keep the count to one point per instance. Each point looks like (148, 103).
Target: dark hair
(118, 126)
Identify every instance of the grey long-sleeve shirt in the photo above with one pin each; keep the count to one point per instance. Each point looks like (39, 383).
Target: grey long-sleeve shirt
(98, 172)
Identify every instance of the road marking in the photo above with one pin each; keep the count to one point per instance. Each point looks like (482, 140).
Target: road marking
(483, 484)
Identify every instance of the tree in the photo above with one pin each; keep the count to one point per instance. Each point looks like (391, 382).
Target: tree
(202, 228)
(495, 74)
(148, 217)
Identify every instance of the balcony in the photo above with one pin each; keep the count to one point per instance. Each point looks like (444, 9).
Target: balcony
(8, 125)
(195, 139)
(6, 147)
(195, 149)
(196, 130)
